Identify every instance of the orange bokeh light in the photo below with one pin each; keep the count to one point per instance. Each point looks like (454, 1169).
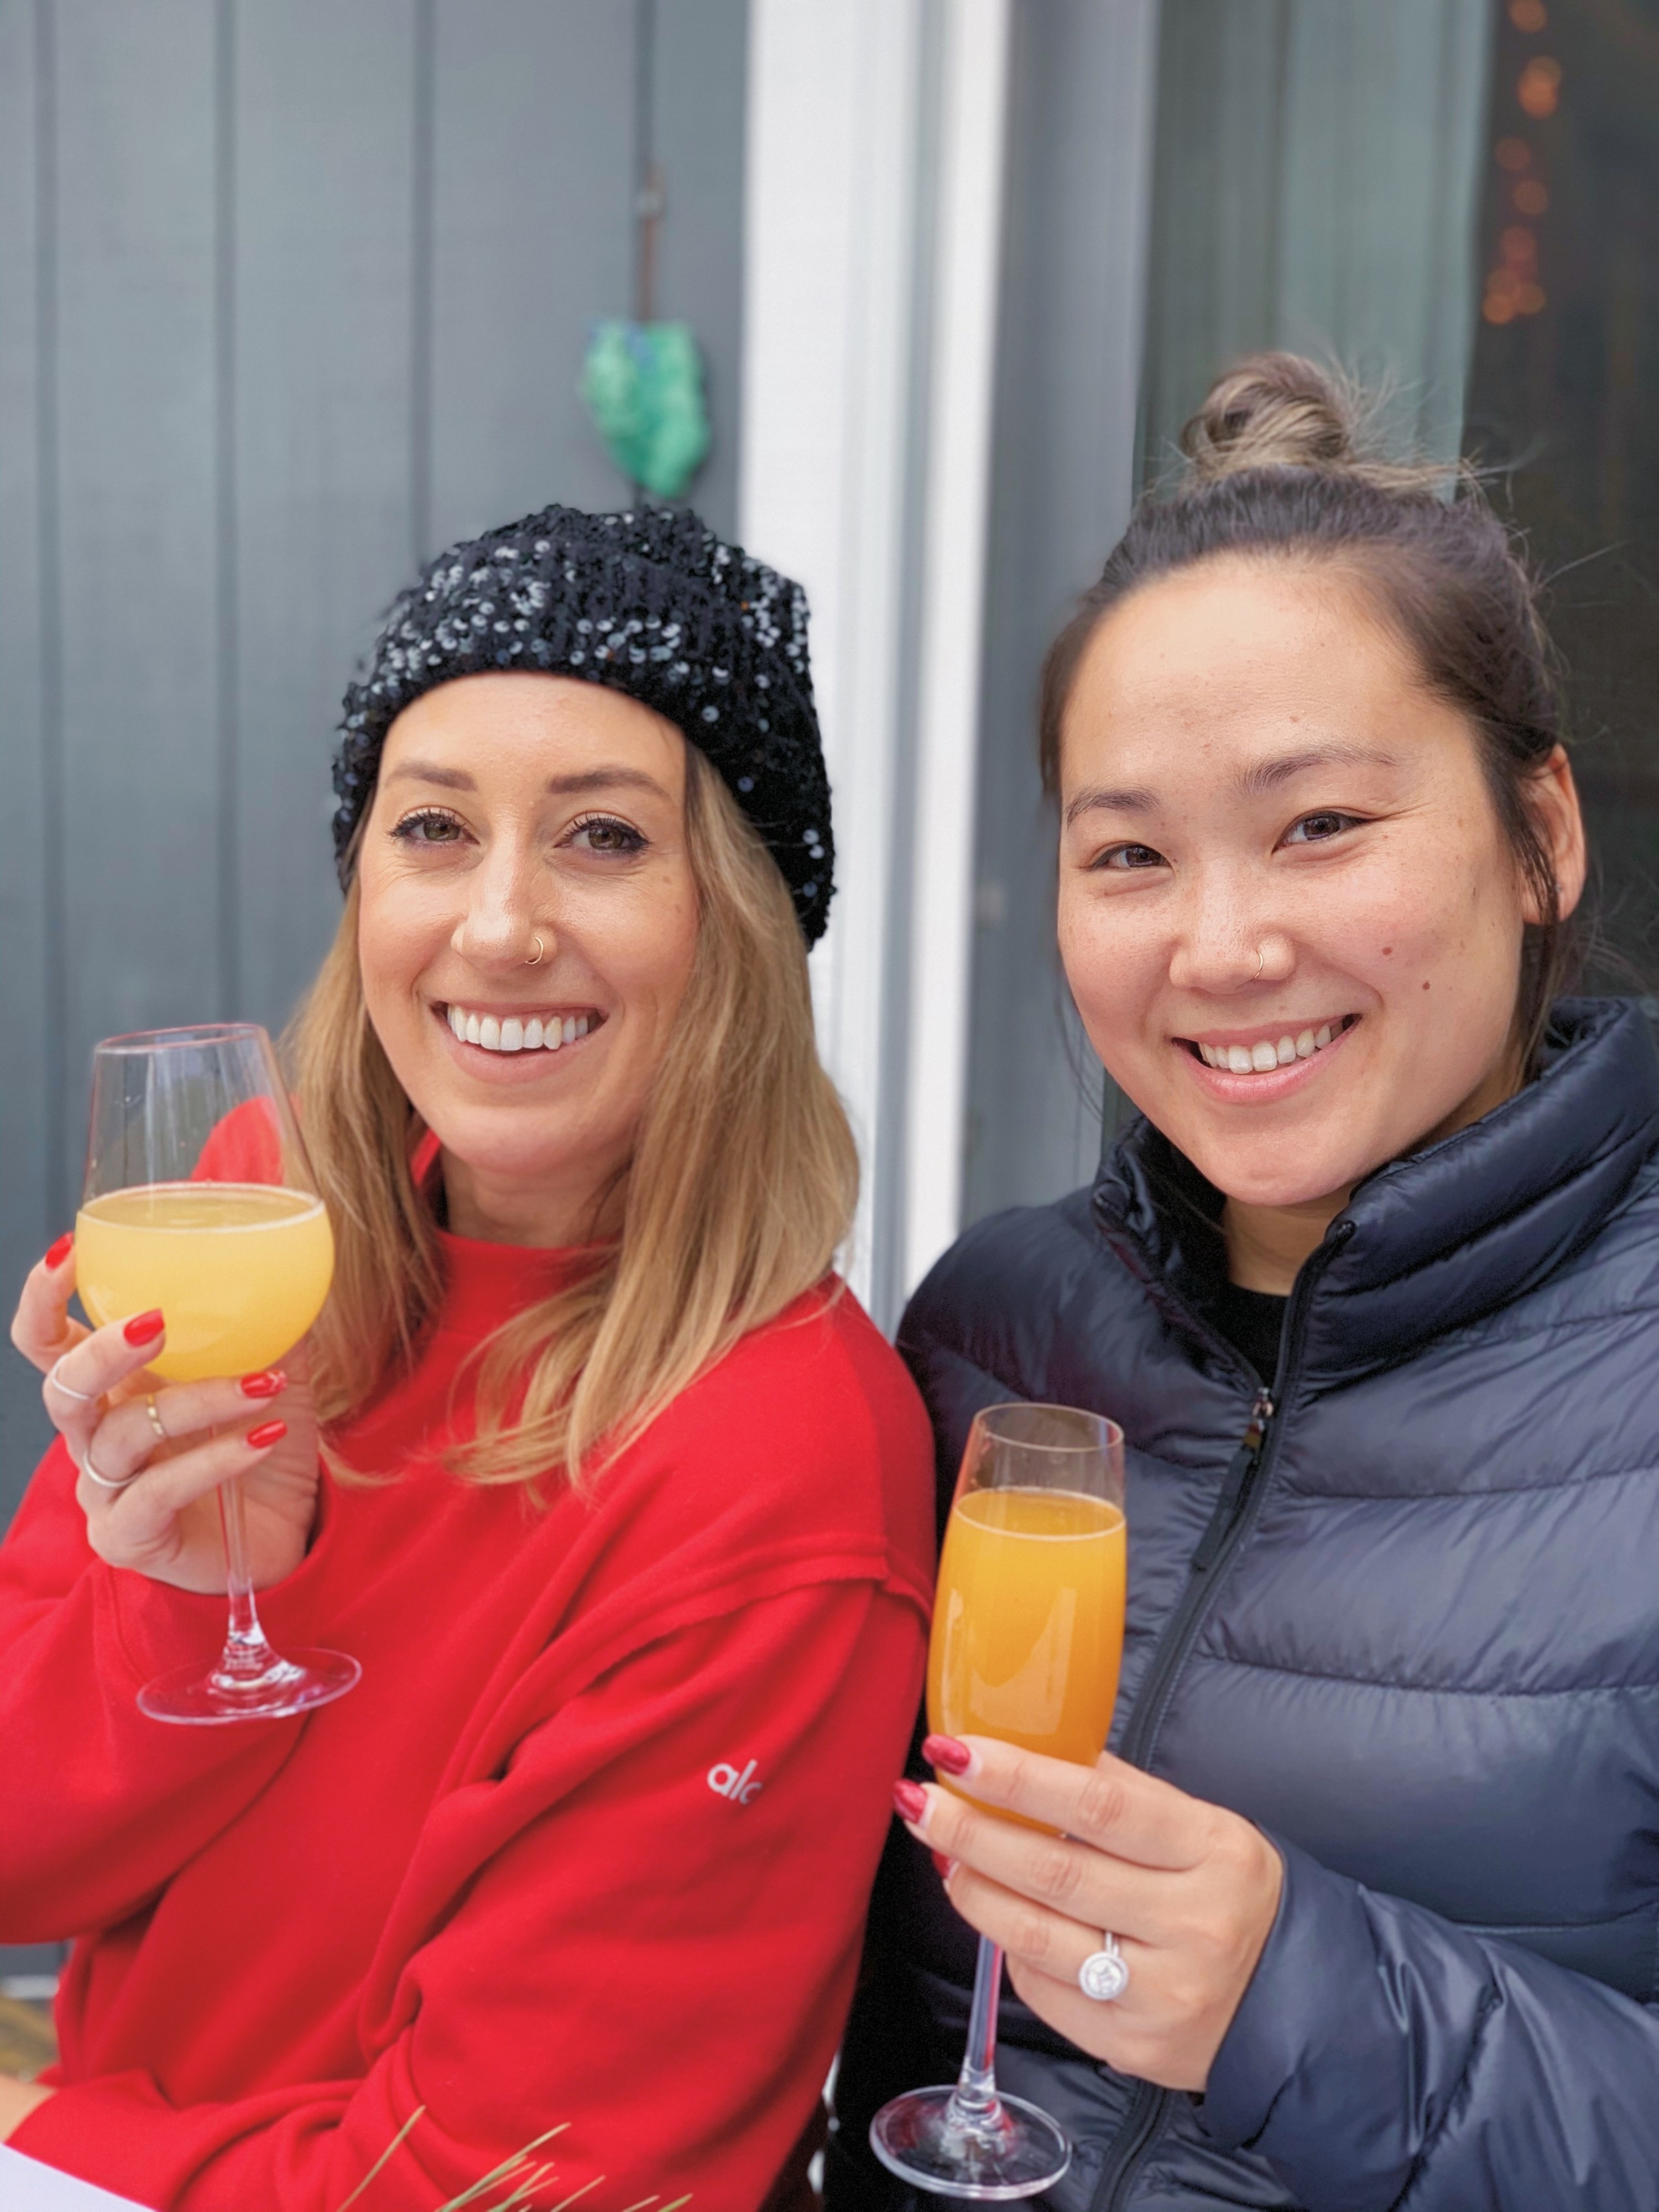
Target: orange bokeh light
(1518, 246)
(1512, 154)
(1528, 299)
(1496, 308)
(1531, 197)
(1528, 14)
(1539, 89)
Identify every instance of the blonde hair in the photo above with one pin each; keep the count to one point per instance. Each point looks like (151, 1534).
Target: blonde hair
(741, 1187)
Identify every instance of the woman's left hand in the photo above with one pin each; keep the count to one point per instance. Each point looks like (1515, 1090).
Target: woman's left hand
(17, 2100)
(1189, 1890)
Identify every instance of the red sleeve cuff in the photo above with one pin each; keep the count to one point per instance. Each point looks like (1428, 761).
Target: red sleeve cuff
(109, 2132)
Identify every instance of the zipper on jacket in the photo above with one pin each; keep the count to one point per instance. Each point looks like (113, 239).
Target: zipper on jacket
(1240, 1488)
(1141, 2124)
(1235, 1492)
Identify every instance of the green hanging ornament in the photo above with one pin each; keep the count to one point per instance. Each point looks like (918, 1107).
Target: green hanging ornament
(642, 384)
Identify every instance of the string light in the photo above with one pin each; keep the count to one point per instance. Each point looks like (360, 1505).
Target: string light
(1539, 91)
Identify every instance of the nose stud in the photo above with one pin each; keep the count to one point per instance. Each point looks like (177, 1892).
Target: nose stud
(537, 961)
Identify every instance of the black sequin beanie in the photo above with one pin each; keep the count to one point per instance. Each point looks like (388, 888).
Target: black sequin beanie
(652, 603)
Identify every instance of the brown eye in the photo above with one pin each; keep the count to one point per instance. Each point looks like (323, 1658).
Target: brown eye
(1126, 857)
(1316, 828)
(429, 826)
(603, 834)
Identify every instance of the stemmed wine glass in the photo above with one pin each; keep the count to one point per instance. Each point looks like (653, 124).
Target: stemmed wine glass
(199, 1199)
(1027, 1642)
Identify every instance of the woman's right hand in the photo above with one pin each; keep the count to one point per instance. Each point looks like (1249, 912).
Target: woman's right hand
(164, 1521)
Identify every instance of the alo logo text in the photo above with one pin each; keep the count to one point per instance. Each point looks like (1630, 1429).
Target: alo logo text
(726, 1782)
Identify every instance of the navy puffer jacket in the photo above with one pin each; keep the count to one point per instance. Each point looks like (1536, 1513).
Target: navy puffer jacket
(1415, 1637)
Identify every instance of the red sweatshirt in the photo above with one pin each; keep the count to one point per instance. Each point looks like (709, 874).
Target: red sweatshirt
(588, 1846)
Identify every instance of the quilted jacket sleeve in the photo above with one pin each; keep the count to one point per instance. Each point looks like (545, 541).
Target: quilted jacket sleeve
(1384, 2058)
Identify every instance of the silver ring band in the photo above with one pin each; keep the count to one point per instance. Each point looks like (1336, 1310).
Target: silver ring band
(1104, 1974)
(85, 1397)
(155, 1419)
(103, 1480)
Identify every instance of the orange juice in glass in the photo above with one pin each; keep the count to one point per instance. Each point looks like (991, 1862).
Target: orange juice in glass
(1027, 1644)
(1028, 1635)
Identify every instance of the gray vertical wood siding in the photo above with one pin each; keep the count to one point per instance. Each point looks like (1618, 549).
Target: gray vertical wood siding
(291, 292)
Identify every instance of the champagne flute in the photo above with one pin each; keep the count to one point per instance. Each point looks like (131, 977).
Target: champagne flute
(1027, 1642)
(199, 1199)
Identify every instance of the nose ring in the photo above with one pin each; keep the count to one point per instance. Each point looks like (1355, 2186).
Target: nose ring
(540, 950)
(1261, 962)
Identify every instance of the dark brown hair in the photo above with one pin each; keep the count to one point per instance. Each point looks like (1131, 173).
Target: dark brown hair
(1279, 468)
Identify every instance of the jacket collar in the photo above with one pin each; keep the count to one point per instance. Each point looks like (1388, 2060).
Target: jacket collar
(1441, 1237)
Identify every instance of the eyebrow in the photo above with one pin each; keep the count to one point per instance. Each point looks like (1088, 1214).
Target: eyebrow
(613, 778)
(1264, 776)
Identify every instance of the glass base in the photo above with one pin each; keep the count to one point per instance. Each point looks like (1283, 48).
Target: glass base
(1015, 2151)
(190, 1699)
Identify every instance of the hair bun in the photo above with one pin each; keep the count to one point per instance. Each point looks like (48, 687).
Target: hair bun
(1274, 410)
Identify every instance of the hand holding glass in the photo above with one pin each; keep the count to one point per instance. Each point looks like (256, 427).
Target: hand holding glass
(1027, 1644)
(199, 1199)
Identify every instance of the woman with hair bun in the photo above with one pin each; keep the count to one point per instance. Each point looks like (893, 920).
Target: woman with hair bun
(1372, 1285)
(620, 1501)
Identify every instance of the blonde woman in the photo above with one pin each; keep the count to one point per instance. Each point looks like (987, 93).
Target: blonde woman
(619, 1499)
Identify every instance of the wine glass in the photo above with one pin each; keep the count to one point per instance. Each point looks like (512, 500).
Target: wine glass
(1027, 1642)
(199, 1199)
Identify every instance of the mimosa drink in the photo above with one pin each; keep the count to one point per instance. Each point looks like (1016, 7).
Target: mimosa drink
(240, 1270)
(1027, 1642)
(1028, 1636)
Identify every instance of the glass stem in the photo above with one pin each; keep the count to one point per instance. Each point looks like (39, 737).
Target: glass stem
(974, 2104)
(247, 1654)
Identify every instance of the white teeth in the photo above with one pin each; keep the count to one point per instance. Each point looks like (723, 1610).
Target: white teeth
(1267, 1053)
(512, 1033)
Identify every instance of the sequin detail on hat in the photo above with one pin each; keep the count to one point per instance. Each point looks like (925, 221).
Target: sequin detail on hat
(652, 603)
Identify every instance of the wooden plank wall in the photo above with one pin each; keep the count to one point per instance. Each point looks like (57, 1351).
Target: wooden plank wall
(292, 292)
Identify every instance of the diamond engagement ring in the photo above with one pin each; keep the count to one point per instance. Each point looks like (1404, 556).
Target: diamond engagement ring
(1104, 1974)
(155, 1420)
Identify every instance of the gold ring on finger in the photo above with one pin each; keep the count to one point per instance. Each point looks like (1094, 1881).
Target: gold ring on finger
(156, 1420)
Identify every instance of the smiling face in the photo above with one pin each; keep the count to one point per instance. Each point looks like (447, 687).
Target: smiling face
(1288, 912)
(508, 808)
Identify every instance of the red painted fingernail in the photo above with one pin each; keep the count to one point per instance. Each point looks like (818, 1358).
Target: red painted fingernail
(145, 1327)
(942, 1866)
(910, 1800)
(947, 1754)
(60, 1251)
(267, 1434)
(270, 1382)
